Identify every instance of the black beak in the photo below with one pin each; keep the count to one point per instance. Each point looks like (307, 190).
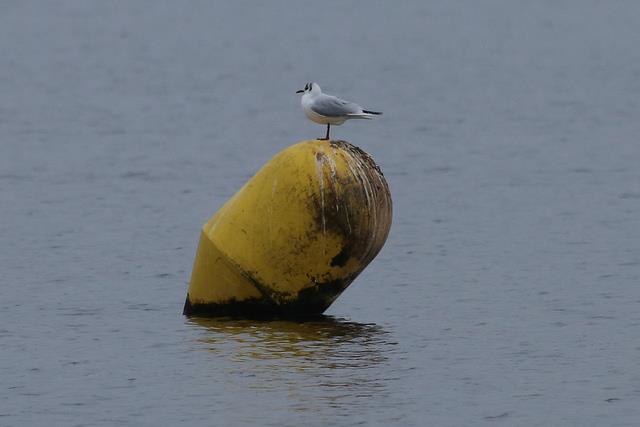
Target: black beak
(299, 91)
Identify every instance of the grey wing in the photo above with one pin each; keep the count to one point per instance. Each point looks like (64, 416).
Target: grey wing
(330, 106)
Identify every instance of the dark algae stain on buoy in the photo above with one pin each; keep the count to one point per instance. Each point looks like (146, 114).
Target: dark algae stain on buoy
(294, 236)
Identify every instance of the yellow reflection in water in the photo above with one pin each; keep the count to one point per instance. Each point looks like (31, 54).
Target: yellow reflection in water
(330, 360)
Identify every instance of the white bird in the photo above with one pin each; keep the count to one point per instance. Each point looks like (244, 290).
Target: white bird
(329, 110)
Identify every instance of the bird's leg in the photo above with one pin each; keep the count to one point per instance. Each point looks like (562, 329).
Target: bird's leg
(328, 127)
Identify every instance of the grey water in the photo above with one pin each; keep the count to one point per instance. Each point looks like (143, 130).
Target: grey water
(508, 292)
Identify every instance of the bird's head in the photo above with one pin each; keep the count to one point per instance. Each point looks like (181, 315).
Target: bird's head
(310, 88)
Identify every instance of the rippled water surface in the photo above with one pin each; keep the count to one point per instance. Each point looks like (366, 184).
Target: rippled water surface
(508, 292)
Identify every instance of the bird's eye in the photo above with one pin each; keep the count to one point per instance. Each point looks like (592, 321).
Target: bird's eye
(306, 87)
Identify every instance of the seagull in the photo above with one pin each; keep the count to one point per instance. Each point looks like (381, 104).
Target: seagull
(329, 110)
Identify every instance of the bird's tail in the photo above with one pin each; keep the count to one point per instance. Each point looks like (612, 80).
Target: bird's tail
(360, 116)
(366, 114)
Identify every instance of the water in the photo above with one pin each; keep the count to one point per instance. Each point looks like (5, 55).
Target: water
(507, 293)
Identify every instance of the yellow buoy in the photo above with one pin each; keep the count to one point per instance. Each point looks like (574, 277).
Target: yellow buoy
(295, 236)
